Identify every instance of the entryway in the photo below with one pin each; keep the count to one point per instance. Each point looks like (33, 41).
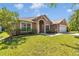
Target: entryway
(41, 26)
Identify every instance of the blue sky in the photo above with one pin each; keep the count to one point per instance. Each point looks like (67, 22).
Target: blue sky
(31, 10)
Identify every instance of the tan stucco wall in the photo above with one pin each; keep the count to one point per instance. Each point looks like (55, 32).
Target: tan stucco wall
(34, 26)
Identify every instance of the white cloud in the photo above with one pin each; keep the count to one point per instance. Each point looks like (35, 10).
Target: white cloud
(37, 5)
(19, 6)
(36, 8)
(38, 14)
(69, 10)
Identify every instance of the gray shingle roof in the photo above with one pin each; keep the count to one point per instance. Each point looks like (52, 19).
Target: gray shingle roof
(30, 19)
(57, 21)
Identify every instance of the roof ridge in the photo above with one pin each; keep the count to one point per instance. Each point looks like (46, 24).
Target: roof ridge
(57, 21)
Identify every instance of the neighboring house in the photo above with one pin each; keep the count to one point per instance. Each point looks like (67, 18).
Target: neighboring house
(41, 24)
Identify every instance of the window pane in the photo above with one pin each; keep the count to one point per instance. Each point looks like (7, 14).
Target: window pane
(23, 27)
(28, 27)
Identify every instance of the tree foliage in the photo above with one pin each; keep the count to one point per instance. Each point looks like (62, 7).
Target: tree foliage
(56, 4)
(8, 20)
(52, 5)
(74, 21)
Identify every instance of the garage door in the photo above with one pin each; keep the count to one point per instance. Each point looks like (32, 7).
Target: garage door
(62, 28)
(0, 28)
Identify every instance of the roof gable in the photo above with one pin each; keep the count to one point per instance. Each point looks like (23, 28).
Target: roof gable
(41, 17)
(63, 22)
(59, 21)
(32, 19)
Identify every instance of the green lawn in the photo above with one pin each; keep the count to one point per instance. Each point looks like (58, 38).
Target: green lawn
(3, 35)
(36, 45)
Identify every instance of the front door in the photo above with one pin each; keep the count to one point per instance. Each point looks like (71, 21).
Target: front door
(41, 26)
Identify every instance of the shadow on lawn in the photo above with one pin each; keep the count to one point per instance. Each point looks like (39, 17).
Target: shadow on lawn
(12, 43)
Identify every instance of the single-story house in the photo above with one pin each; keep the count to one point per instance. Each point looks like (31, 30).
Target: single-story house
(41, 24)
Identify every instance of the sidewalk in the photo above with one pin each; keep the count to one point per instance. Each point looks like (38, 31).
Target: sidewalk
(51, 35)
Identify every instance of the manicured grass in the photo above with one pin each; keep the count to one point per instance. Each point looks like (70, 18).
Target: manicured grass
(3, 35)
(33, 45)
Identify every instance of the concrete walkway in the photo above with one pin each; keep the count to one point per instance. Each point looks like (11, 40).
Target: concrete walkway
(76, 34)
(51, 35)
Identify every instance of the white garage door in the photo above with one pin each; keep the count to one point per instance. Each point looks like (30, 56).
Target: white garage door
(0, 28)
(62, 28)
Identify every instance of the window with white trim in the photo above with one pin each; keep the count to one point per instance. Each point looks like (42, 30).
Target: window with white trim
(28, 27)
(23, 26)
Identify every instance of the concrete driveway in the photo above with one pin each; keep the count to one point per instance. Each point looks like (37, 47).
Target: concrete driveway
(56, 34)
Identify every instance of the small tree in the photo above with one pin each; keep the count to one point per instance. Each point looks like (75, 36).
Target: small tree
(8, 20)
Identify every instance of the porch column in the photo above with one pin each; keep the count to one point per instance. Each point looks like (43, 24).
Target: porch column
(38, 27)
(44, 27)
(20, 25)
